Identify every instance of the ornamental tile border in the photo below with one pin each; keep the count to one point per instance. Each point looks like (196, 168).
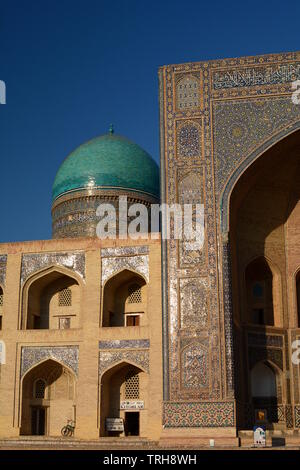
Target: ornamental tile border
(3, 263)
(125, 344)
(124, 251)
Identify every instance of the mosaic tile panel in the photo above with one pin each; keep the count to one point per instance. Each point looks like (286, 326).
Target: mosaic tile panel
(139, 264)
(125, 344)
(297, 416)
(33, 262)
(194, 370)
(190, 191)
(108, 359)
(192, 414)
(193, 303)
(3, 262)
(188, 139)
(32, 355)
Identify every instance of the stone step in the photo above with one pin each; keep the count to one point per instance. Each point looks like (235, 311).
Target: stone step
(57, 442)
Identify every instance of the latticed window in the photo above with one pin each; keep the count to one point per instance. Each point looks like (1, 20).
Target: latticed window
(132, 385)
(65, 297)
(39, 389)
(1, 298)
(134, 294)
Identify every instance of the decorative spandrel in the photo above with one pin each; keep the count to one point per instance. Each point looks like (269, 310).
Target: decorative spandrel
(32, 355)
(33, 262)
(108, 359)
(112, 265)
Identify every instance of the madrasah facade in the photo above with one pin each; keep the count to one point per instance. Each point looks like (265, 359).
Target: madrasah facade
(146, 337)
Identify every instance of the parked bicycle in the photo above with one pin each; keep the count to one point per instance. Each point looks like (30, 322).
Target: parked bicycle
(68, 430)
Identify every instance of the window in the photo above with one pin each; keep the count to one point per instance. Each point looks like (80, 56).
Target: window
(1, 298)
(132, 320)
(258, 290)
(39, 388)
(259, 286)
(132, 385)
(0, 322)
(64, 323)
(65, 298)
(36, 322)
(258, 316)
(134, 294)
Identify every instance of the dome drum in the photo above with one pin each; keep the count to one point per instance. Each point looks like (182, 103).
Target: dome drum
(74, 215)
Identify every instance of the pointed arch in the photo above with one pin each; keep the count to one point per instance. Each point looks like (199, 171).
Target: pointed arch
(122, 363)
(45, 412)
(244, 166)
(120, 384)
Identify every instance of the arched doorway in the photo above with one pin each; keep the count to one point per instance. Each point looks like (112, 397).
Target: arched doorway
(264, 383)
(125, 300)
(264, 223)
(123, 401)
(48, 399)
(51, 300)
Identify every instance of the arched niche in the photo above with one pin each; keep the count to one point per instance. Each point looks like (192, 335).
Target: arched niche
(124, 300)
(51, 299)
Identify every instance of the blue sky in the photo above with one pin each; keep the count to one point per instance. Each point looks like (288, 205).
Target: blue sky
(73, 67)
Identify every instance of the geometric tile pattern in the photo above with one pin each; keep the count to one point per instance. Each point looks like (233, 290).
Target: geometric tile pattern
(194, 366)
(297, 416)
(191, 415)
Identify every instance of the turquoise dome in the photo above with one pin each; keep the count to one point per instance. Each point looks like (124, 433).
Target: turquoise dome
(107, 162)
